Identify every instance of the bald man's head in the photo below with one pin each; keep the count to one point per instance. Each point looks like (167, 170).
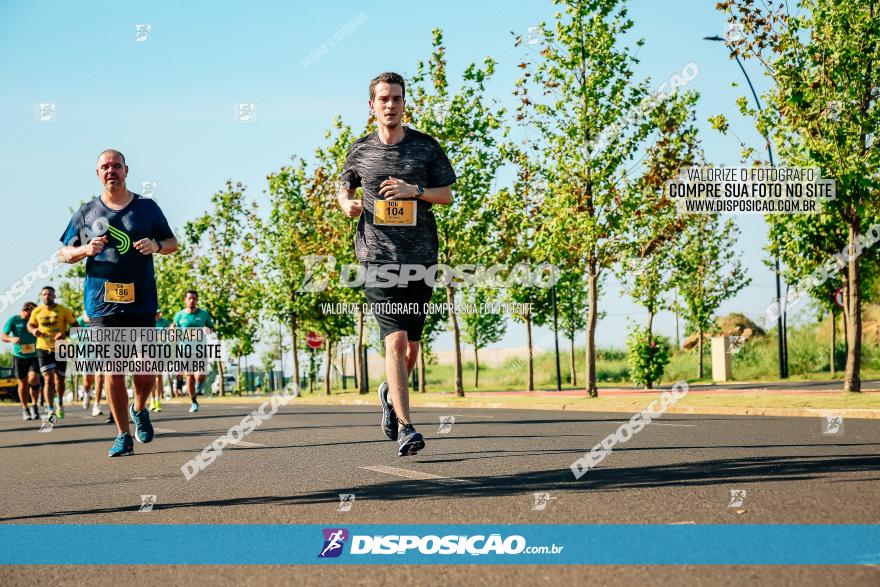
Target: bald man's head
(112, 170)
(112, 152)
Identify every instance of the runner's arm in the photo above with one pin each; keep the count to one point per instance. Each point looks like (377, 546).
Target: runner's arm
(441, 196)
(74, 254)
(351, 207)
(397, 189)
(6, 338)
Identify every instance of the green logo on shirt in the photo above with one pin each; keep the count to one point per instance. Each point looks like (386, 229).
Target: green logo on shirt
(124, 241)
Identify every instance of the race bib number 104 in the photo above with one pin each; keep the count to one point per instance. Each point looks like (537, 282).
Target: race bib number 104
(395, 213)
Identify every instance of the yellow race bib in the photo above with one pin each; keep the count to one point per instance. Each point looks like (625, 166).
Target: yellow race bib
(395, 212)
(118, 293)
(27, 349)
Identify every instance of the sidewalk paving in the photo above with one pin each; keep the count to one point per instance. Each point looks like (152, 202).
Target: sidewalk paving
(790, 399)
(768, 387)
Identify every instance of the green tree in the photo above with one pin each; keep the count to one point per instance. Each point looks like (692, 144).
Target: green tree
(824, 60)
(174, 276)
(335, 242)
(223, 246)
(516, 248)
(707, 271)
(467, 126)
(648, 356)
(581, 85)
(70, 289)
(304, 240)
(645, 269)
(571, 302)
(481, 328)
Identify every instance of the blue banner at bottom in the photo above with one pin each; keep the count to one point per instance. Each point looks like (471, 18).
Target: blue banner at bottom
(242, 544)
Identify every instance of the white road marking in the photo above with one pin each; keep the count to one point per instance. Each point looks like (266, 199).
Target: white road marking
(163, 430)
(408, 474)
(248, 444)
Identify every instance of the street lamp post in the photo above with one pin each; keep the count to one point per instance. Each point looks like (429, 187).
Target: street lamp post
(781, 317)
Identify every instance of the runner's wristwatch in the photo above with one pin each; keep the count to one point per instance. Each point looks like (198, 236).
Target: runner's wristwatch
(421, 191)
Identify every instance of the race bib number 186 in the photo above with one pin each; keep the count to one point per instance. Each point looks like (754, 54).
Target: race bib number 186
(119, 293)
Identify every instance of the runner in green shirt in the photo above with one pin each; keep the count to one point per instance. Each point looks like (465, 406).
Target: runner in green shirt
(24, 353)
(194, 317)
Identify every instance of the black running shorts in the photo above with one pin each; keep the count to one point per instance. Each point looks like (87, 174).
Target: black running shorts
(400, 308)
(47, 362)
(24, 366)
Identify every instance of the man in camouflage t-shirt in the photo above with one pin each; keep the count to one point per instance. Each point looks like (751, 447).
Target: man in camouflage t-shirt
(403, 173)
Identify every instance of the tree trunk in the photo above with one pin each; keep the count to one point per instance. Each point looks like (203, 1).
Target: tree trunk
(675, 306)
(422, 376)
(852, 380)
(528, 317)
(476, 368)
(593, 291)
(359, 351)
(293, 349)
(238, 375)
(328, 356)
(833, 340)
(312, 370)
(700, 353)
(572, 376)
(450, 299)
(342, 367)
(219, 370)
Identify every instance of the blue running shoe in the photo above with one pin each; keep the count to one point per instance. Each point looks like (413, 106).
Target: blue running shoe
(142, 422)
(411, 441)
(123, 446)
(389, 417)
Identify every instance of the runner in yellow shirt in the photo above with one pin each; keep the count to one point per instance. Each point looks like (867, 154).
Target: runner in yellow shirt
(50, 322)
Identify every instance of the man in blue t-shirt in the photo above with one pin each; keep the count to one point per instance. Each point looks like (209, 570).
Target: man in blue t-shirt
(24, 356)
(118, 233)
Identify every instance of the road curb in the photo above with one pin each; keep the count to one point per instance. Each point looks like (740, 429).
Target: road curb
(863, 413)
(454, 402)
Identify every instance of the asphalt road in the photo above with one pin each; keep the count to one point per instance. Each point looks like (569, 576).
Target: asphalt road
(678, 470)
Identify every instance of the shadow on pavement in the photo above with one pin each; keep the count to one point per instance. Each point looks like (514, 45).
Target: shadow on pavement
(745, 470)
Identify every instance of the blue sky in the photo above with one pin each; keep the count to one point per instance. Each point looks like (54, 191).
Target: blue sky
(169, 102)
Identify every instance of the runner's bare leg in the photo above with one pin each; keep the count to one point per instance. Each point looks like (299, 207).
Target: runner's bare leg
(143, 387)
(117, 399)
(34, 384)
(49, 387)
(400, 359)
(23, 392)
